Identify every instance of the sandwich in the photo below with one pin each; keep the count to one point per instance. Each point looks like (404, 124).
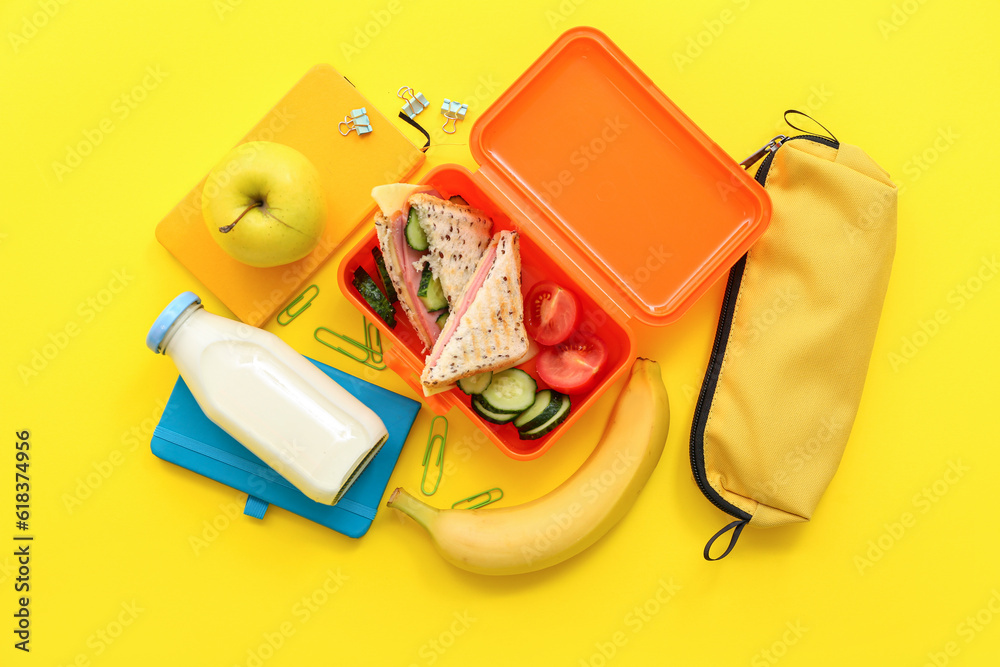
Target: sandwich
(431, 248)
(485, 330)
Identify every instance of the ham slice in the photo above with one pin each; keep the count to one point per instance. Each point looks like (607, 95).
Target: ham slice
(404, 259)
(485, 264)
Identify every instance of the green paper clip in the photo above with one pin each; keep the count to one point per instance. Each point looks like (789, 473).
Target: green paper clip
(488, 497)
(374, 343)
(432, 439)
(287, 310)
(372, 346)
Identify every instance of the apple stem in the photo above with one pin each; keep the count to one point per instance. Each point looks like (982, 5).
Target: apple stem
(228, 228)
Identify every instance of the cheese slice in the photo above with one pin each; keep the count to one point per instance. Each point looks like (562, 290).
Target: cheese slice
(428, 391)
(392, 198)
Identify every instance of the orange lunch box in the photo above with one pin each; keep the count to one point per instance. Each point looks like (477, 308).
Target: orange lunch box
(617, 196)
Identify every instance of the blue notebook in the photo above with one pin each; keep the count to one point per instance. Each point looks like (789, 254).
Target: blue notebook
(186, 437)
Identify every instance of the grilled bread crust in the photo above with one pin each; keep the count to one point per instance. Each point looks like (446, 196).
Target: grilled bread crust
(491, 333)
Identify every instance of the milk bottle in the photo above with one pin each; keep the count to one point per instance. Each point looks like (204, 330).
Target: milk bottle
(270, 398)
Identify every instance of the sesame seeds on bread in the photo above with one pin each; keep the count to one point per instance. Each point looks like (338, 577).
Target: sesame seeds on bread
(457, 237)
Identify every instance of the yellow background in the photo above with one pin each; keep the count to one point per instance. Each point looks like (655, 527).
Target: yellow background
(892, 77)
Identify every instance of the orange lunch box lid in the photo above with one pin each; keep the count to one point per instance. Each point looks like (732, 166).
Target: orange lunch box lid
(616, 178)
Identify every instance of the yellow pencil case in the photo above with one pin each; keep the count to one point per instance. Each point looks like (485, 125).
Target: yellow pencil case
(795, 335)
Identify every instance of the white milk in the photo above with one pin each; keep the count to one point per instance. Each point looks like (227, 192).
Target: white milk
(271, 399)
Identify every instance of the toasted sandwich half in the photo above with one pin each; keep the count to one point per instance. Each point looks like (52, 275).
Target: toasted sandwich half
(485, 330)
(457, 237)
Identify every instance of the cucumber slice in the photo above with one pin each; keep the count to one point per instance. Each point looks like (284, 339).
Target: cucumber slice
(546, 404)
(426, 276)
(374, 297)
(443, 319)
(476, 384)
(511, 391)
(415, 236)
(552, 422)
(390, 291)
(457, 199)
(430, 292)
(489, 415)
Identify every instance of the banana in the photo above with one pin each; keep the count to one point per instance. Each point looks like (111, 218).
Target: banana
(564, 522)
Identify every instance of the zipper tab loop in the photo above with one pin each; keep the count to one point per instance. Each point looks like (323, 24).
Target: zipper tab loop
(805, 115)
(771, 146)
(737, 528)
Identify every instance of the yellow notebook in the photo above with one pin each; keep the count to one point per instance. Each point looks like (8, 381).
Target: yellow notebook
(305, 119)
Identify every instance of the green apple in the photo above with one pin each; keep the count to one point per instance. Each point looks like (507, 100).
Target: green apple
(264, 204)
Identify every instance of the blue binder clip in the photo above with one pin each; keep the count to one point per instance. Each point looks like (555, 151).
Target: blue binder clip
(415, 102)
(356, 121)
(454, 112)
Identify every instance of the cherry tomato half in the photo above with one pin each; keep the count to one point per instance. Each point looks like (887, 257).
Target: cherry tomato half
(573, 367)
(551, 313)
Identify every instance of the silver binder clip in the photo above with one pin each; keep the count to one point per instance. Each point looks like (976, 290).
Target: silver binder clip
(356, 121)
(415, 102)
(454, 112)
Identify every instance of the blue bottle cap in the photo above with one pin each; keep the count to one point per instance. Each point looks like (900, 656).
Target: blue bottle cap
(158, 331)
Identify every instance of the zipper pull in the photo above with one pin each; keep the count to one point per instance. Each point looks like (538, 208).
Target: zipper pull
(771, 146)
